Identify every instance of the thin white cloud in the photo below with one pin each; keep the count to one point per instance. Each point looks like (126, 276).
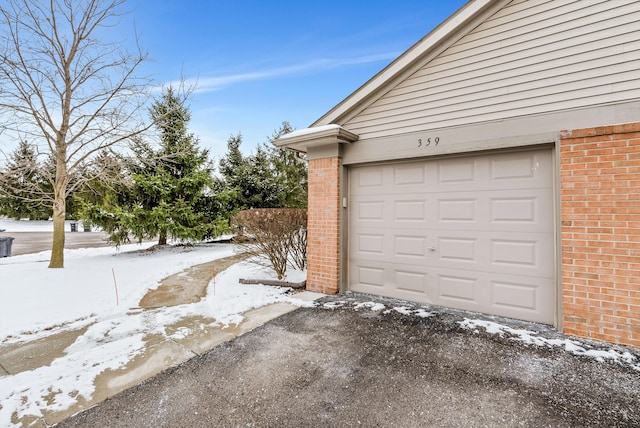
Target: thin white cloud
(216, 83)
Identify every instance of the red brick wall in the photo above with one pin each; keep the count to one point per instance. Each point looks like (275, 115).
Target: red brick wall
(323, 226)
(600, 193)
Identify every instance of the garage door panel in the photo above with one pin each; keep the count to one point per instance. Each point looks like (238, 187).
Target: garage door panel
(520, 253)
(473, 233)
(409, 177)
(368, 244)
(369, 180)
(374, 211)
(515, 295)
(500, 294)
(457, 172)
(370, 210)
(526, 254)
(461, 209)
(459, 289)
(512, 210)
(409, 281)
(398, 245)
(412, 210)
(508, 171)
(521, 208)
(410, 245)
(514, 253)
(515, 209)
(528, 298)
(518, 169)
(370, 276)
(457, 250)
(403, 178)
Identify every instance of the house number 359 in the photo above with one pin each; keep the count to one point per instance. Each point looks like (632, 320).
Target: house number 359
(426, 142)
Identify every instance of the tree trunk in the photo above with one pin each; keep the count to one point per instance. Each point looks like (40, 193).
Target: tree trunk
(162, 239)
(59, 208)
(59, 213)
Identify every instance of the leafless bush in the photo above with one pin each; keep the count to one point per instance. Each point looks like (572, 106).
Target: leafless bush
(274, 237)
(298, 255)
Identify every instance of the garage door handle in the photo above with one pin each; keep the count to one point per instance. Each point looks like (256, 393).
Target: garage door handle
(431, 248)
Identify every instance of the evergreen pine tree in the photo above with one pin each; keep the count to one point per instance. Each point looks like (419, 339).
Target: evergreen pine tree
(233, 161)
(269, 178)
(230, 186)
(23, 186)
(290, 171)
(163, 190)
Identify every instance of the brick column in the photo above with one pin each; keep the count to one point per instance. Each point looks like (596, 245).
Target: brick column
(600, 193)
(323, 226)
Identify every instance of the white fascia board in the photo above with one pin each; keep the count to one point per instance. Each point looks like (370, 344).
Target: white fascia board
(414, 53)
(317, 136)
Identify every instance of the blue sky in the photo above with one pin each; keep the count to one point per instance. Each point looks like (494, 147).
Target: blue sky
(258, 63)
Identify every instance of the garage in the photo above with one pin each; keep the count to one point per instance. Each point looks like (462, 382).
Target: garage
(472, 233)
(491, 167)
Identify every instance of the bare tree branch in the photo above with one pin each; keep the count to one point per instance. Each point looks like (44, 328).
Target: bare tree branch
(67, 89)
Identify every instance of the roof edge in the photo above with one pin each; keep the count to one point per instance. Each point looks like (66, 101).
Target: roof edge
(461, 17)
(302, 139)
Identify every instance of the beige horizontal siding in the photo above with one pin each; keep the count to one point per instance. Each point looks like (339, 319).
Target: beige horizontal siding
(531, 57)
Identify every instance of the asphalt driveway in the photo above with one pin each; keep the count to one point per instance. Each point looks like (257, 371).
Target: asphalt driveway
(360, 361)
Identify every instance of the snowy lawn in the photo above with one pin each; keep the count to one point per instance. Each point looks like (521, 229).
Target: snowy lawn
(100, 289)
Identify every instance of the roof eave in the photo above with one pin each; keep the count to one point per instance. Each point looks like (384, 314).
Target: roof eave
(304, 139)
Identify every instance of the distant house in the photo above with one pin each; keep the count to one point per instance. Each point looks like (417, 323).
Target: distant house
(492, 167)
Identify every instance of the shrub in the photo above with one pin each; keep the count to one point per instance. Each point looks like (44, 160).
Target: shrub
(273, 237)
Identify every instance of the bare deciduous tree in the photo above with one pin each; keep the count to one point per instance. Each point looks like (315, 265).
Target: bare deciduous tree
(67, 89)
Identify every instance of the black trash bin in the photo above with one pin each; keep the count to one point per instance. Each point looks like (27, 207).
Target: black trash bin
(87, 227)
(74, 227)
(5, 246)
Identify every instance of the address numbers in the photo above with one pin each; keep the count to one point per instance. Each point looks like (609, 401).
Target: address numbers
(428, 142)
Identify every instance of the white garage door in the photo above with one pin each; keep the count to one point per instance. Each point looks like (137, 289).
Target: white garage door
(472, 233)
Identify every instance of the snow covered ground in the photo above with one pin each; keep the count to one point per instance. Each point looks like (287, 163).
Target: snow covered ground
(97, 289)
